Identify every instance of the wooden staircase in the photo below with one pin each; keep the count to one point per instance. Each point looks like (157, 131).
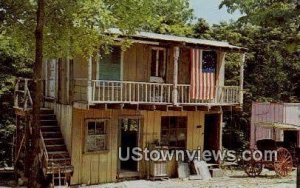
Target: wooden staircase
(54, 156)
(57, 158)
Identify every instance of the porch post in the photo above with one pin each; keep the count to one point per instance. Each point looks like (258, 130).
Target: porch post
(242, 78)
(175, 76)
(89, 81)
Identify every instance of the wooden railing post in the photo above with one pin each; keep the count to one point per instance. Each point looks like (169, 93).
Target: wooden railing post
(175, 76)
(241, 93)
(16, 101)
(26, 94)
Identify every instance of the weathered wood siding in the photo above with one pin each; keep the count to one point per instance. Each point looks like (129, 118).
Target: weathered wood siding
(92, 168)
(136, 66)
(288, 113)
(64, 117)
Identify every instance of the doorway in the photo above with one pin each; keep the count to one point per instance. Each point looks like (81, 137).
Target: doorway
(129, 139)
(290, 138)
(212, 132)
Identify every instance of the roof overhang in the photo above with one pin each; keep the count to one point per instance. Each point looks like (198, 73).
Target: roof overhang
(149, 37)
(277, 125)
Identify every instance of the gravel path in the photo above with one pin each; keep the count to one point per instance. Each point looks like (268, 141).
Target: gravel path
(238, 179)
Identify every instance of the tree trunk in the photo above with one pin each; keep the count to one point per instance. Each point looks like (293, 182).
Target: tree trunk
(33, 178)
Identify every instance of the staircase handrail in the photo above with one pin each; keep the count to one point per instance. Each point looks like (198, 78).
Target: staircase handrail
(44, 150)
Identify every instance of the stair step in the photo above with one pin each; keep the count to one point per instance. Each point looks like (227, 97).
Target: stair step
(60, 159)
(55, 134)
(59, 163)
(47, 117)
(50, 128)
(49, 122)
(46, 111)
(49, 141)
(56, 147)
(58, 154)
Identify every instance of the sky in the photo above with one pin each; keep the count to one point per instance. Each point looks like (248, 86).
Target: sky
(209, 10)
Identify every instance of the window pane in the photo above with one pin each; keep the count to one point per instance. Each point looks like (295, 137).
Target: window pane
(91, 128)
(100, 142)
(181, 122)
(174, 131)
(133, 124)
(110, 64)
(100, 127)
(153, 63)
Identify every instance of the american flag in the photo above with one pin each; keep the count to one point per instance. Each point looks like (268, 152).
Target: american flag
(203, 68)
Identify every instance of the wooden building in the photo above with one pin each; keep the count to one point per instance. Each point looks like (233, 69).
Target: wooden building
(277, 121)
(162, 89)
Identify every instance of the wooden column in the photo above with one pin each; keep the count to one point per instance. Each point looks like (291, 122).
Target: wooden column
(175, 76)
(242, 78)
(220, 76)
(89, 81)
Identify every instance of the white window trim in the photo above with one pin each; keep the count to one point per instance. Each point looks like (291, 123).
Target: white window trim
(157, 78)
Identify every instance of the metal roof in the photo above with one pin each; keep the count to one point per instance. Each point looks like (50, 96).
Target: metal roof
(173, 38)
(277, 125)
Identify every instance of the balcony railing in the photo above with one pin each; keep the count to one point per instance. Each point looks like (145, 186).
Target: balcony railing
(102, 91)
(131, 92)
(222, 95)
(22, 94)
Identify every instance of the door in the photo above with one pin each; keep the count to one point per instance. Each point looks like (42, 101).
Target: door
(129, 139)
(212, 132)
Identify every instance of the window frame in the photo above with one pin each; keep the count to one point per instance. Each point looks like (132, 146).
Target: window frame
(177, 129)
(158, 78)
(106, 134)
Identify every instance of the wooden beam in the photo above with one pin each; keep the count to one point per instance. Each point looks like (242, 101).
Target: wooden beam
(175, 76)
(175, 108)
(149, 107)
(203, 108)
(242, 78)
(131, 106)
(162, 107)
(227, 108)
(189, 108)
(89, 81)
(99, 106)
(216, 108)
(115, 106)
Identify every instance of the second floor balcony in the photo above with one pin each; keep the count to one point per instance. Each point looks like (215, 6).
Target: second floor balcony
(109, 92)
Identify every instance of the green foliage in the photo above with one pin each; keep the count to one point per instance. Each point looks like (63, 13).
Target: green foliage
(172, 17)
(78, 27)
(12, 65)
(270, 31)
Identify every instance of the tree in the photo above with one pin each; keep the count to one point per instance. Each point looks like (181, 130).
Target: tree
(172, 17)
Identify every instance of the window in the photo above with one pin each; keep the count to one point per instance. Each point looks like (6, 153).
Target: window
(174, 132)
(158, 62)
(110, 63)
(96, 135)
(209, 61)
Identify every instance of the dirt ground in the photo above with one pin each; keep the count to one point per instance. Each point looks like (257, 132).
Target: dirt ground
(233, 179)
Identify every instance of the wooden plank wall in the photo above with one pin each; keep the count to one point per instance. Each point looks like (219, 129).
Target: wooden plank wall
(184, 66)
(92, 168)
(64, 117)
